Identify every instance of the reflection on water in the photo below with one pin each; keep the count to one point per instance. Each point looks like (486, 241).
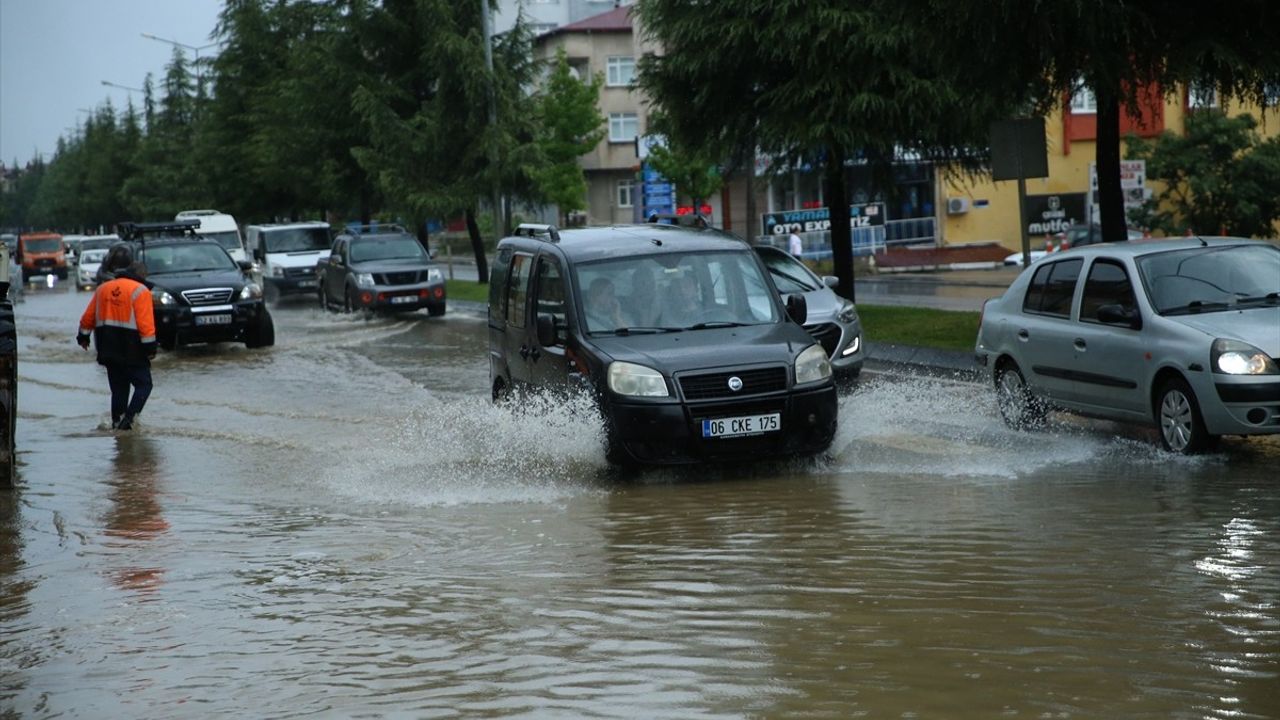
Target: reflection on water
(344, 526)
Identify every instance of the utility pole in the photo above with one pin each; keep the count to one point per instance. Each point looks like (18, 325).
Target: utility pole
(487, 29)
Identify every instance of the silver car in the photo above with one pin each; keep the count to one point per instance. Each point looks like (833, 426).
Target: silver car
(832, 320)
(1182, 334)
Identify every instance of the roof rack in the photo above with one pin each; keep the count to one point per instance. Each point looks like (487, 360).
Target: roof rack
(692, 220)
(132, 230)
(535, 229)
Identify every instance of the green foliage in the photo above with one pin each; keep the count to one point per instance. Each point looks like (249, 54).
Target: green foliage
(1219, 177)
(570, 125)
(920, 327)
(692, 169)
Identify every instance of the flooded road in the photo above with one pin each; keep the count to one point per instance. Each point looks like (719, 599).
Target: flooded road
(342, 526)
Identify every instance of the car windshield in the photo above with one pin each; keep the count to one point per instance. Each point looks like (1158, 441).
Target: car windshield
(675, 291)
(101, 243)
(44, 245)
(188, 257)
(89, 257)
(1210, 279)
(386, 247)
(228, 239)
(296, 239)
(789, 274)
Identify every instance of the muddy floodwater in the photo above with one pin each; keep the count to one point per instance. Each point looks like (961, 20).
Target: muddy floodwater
(343, 526)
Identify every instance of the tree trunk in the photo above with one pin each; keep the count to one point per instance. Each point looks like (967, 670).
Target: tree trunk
(841, 234)
(477, 246)
(750, 224)
(366, 206)
(1114, 224)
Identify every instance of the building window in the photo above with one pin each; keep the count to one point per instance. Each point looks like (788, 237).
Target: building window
(1083, 101)
(1202, 95)
(622, 71)
(626, 193)
(623, 127)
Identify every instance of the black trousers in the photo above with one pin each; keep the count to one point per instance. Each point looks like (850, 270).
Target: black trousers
(121, 378)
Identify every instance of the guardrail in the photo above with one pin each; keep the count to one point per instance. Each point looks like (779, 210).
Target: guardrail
(866, 241)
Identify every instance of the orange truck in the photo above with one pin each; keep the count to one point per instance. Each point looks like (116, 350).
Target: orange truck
(42, 253)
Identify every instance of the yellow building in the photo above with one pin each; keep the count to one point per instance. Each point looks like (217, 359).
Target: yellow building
(975, 209)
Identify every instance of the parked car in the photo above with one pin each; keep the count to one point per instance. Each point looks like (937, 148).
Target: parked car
(831, 320)
(287, 254)
(677, 332)
(87, 269)
(200, 294)
(1073, 236)
(1182, 334)
(380, 269)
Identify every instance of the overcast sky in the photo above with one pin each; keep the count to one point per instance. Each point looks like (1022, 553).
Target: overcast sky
(54, 55)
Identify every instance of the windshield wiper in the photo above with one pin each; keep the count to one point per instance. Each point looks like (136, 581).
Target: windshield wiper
(1269, 297)
(1196, 306)
(715, 324)
(635, 331)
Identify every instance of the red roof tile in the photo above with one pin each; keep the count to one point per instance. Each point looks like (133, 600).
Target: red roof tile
(617, 20)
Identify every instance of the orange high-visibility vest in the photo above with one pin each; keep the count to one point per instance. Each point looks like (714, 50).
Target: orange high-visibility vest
(122, 320)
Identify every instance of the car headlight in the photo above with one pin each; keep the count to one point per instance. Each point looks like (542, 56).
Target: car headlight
(434, 275)
(162, 297)
(364, 280)
(812, 365)
(848, 312)
(250, 291)
(1233, 357)
(277, 271)
(636, 380)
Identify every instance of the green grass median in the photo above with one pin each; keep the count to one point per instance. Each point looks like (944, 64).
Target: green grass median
(923, 327)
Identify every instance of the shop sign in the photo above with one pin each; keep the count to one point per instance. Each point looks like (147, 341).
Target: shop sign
(819, 219)
(1052, 214)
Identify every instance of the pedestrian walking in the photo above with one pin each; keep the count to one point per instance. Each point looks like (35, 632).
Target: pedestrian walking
(794, 245)
(122, 322)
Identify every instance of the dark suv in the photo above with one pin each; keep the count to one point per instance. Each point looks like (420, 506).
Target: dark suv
(200, 294)
(381, 268)
(678, 332)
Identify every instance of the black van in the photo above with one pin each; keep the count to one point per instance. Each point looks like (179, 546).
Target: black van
(678, 332)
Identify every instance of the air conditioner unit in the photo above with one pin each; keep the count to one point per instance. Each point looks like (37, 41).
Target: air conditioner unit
(957, 205)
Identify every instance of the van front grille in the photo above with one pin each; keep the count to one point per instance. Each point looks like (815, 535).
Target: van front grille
(706, 386)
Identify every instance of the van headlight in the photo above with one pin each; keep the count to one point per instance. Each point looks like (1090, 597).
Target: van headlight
(364, 281)
(162, 297)
(812, 365)
(636, 380)
(250, 291)
(277, 271)
(1233, 357)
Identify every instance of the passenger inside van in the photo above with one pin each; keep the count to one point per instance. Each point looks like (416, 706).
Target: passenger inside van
(604, 313)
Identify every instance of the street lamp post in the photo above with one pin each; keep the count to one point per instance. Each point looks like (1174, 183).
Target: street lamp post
(195, 49)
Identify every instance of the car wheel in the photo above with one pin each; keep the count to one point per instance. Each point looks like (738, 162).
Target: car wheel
(1181, 426)
(263, 334)
(501, 393)
(167, 342)
(1019, 408)
(320, 295)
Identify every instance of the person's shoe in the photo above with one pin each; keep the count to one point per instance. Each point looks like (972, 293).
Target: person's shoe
(126, 423)
(115, 421)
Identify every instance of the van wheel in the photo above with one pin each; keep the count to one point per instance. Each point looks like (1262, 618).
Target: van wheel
(350, 304)
(435, 310)
(501, 393)
(1181, 426)
(1020, 409)
(263, 334)
(320, 295)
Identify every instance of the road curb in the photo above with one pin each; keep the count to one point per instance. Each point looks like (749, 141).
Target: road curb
(956, 363)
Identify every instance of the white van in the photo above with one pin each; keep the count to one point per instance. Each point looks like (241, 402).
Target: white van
(288, 254)
(218, 226)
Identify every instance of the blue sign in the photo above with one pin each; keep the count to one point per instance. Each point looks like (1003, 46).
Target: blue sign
(658, 193)
(819, 219)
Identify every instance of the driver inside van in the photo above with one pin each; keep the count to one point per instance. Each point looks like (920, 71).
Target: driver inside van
(604, 313)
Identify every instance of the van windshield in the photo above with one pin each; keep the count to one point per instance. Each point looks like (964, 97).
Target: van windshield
(675, 291)
(296, 239)
(44, 245)
(228, 239)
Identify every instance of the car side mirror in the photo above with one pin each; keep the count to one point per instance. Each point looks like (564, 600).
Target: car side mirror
(244, 265)
(546, 329)
(257, 254)
(1119, 315)
(831, 281)
(797, 308)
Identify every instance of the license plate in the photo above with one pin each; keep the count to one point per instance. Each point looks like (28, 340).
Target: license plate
(213, 319)
(306, 283)
(745, 425)
(402, 299)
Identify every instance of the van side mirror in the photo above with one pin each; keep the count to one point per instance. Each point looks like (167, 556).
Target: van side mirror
(257, 254)
(1119, 315)
(546, 329)
(797, 308)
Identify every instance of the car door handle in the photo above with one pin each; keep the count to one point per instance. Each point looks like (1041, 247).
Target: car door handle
(524, 351)
(1024, 335)
(1080, 344)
